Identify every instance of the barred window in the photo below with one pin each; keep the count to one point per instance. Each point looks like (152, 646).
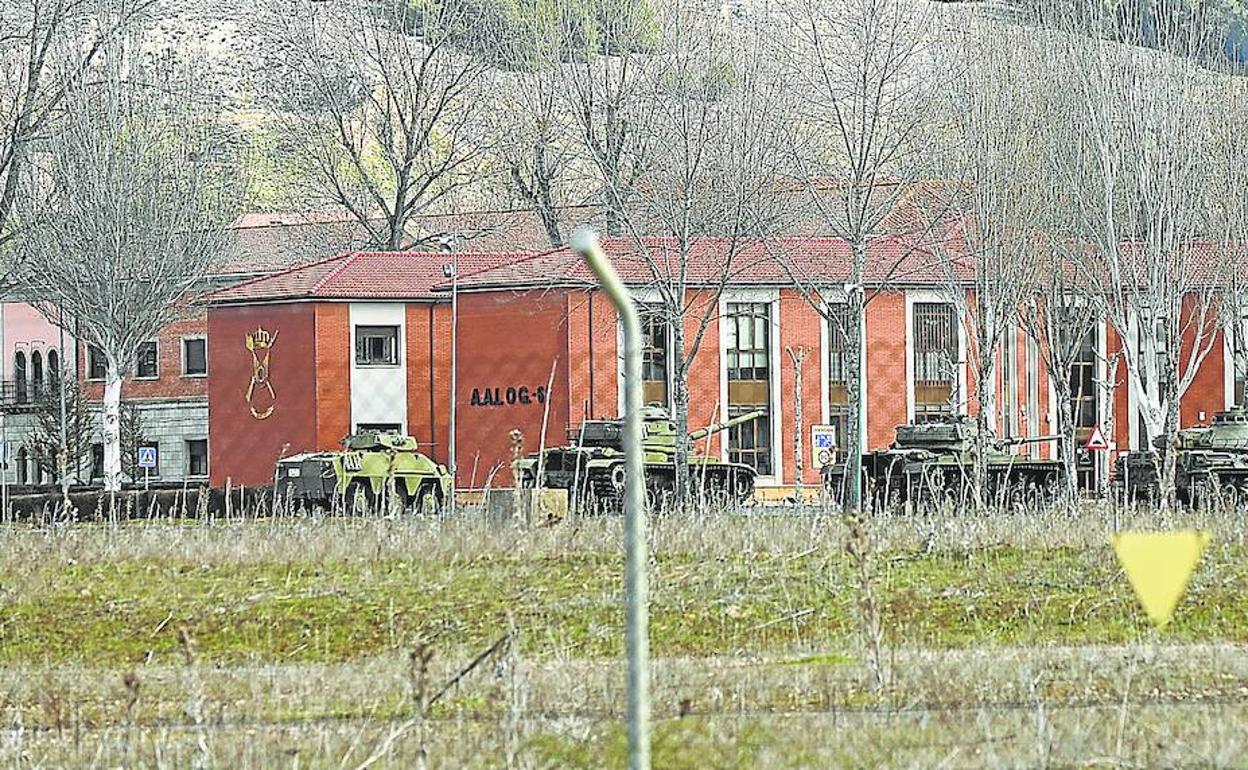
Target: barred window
(935, 360)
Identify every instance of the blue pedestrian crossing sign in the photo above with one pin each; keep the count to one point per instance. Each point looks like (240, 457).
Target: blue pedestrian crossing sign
(147, 457)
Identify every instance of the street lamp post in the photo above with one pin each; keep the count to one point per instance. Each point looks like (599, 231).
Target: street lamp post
(451, 271)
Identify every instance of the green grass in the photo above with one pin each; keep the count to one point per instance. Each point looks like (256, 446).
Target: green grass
(1016, 643)
(570, 605)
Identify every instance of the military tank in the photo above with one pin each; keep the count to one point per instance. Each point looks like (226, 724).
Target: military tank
(1210, 464)
(369, 464)
(935, 461)
(591, 465)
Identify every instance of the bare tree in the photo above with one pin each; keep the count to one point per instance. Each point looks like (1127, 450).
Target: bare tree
(703, 123)
(1137, 167)
(45, 48)
(82, 427)
(988, 261)
(393, 94)
(859, 144)
(135, 214)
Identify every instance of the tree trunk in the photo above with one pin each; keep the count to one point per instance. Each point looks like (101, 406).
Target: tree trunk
(112, 428)
(853, 412)
(680, 417)
(799, 359)
(1066, 451)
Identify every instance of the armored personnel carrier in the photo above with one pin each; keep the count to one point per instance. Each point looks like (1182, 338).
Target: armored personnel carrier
(369, 464)
(936, 460)
(1210, 463)
(591, 465)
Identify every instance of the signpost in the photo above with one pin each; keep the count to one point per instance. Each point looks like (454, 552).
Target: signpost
(1096, 441)
(822, 445)
(147, 461)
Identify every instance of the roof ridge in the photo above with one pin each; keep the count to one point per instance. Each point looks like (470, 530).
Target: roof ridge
(529, 256)
(268, 276)
(350, 258)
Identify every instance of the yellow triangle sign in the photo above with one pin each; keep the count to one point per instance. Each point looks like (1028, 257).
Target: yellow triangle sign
(1159, 564)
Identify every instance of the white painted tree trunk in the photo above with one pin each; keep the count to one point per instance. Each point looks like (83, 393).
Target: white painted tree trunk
(112, 428)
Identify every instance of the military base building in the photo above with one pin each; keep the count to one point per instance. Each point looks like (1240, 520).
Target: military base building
(363, 340)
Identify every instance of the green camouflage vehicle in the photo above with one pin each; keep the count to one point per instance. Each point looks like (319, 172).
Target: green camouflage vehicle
(936, 461)
(591, 466)
(369, 464)
(1210, 464)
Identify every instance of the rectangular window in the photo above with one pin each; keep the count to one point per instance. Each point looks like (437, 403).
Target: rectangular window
(1009, 383)
(935, 360)
(1033, 386)
(655, 341)
(749, 383)
(146, 365)
(841, 335)
(379, 427)
(97, 366)
(97, 461)
(377, 345)
(194, 357)
(197, 457)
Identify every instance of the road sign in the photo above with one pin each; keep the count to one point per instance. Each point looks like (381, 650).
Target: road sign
(1159, 564)
(1096, 441)
(147, 458)
(822, 445)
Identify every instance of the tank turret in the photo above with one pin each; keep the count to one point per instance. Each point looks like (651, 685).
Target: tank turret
(1210, 463)
(936, 459)
(592, 464)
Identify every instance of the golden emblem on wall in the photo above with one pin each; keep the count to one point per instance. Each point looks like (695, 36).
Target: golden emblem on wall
(260, 343)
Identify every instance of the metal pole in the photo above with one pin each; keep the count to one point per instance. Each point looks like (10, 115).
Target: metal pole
(454, 372)
(637, 639)
(63, 456)
(4, 422)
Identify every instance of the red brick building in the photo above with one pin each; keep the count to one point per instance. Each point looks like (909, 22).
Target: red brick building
(363, 340)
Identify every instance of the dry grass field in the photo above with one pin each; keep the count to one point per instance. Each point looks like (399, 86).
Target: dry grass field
(782, 639)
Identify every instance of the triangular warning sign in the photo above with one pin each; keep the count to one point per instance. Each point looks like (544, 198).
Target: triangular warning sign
(1159, 564)
(1096, 440)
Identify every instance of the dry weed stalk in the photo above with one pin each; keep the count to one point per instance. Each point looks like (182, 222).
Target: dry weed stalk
(858, 546)
(195, 698)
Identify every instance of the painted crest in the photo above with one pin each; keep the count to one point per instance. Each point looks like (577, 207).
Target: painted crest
(261, 398)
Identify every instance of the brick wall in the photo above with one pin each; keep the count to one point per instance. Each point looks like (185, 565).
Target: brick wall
(243, 448)
(331, 349)
(171, 383)
(800, 329)
(508, 343)
(886, 367)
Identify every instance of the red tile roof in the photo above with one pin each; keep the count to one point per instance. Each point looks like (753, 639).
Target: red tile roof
(751, 262)
(360, 275)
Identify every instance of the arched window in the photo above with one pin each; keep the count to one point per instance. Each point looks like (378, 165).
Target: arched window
(19, 376)
(39, 463)
(36, 375)
(22, 476)
(54, 371)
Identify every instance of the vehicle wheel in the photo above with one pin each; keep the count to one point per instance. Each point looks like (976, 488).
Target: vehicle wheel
(428, 500)
(360, 495)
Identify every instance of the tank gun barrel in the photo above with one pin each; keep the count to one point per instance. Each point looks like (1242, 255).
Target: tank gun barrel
(1016, 440)
(722, 426)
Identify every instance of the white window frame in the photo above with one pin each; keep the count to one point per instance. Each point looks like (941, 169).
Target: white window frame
(191, 338)
(652, 297)
(156, 376)
(398, 346)
(771, 297)
(920, 296)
